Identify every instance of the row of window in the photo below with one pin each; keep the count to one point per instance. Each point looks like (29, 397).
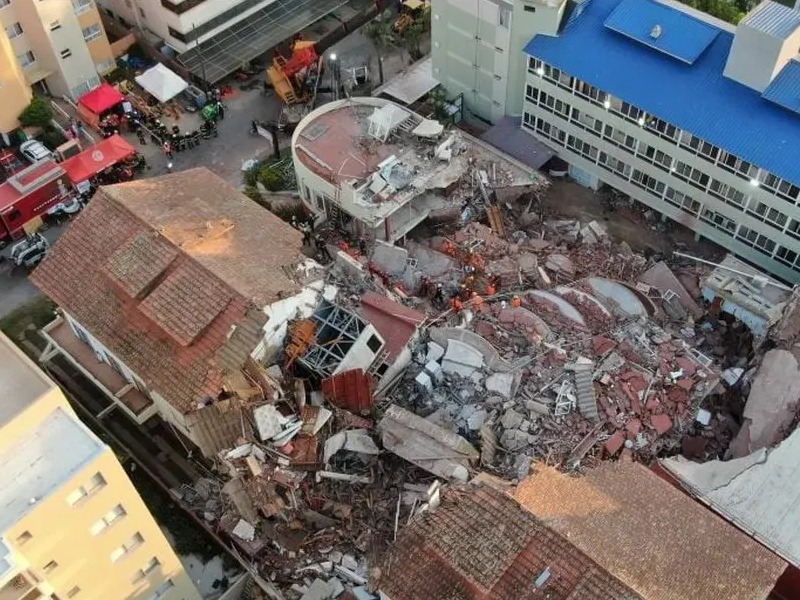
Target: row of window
(709, 152)
(661, 190)
(683, 171)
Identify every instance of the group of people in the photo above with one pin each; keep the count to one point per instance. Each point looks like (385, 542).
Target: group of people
(466, 293)
(315, 241)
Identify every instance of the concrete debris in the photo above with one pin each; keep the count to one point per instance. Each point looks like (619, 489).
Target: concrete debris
(500, 383)
(244, 531)
(422, 443)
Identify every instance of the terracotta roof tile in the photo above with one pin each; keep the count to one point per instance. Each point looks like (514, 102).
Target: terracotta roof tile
(186, 302)
(482, 545)
(653, 537)
(137, 263)
(208, 284)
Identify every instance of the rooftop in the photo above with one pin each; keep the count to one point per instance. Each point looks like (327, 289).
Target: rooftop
(391, 155)
(758, 492)
(773, 18)
(653, 537)
(481, 544)
(172, 274)
(689, 96)
(20, 184)
(21, 382)
(41, 462)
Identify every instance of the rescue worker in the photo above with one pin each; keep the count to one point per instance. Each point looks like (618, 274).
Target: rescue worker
(457, 304)
(516, 302)
(477, 301)
(438, 295)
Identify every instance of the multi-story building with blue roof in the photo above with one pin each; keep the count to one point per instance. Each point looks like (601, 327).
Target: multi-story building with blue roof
(694, 118)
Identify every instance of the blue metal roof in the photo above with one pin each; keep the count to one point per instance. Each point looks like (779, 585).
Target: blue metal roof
(695, 97)
(662, 28)
(785, 88)
(773, 19)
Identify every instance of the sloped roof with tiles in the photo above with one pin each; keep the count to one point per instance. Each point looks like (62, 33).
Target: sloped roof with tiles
(480, 544)
(652, 536)
(172, 274)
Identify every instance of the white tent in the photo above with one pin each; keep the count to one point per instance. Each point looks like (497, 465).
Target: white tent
(161, 82)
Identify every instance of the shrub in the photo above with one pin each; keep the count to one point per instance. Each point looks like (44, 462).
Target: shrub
(37, 114)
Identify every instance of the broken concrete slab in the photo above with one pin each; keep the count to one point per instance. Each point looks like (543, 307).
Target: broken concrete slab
(435, 352)
(389, 259)
(511, 419)
(661, 277)
(426, 445)
(771, 405)
(244, 531)
(353, 440)
(461, 359)
(514, 439)
(269, 421)
(558, 263)
(500, 383)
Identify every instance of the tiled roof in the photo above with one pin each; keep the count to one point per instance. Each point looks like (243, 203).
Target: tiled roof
(651, 535)
(170, 286)
(480, 544)
(396, 323)
(696, 98)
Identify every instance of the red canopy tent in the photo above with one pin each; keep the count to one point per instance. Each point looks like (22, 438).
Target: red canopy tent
(100, 100)
(97, 158)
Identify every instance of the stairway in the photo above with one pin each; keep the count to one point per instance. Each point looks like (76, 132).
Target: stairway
(583, 369)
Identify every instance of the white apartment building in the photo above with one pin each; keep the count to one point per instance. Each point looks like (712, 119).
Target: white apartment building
(212, 38)
(60, 45)
(692, 117)
(477, 50)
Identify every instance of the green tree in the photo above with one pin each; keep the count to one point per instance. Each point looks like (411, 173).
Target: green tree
(382, 36)
(412, 38)
(37, 114)
(727, 10)
(271, 178)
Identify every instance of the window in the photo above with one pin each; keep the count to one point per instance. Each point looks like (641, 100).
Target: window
(73, 592)
(663, 128)
(719, 221)
(96, 483)
(55, 25)
(788, 191)
(50, 567)
(373, 343)
(531, 93)
(151, 566)
(759, 242)
(534, 64)
(81, 6)
(23, 538)
(14, 30)
(786, 256)
(163, 590)
(505, 18)
(26, 59)
(529, 8)
(92, 32)
(589, 91)
(647, 182)
(111, 517)
(682, 201)
(128, 547)
(793, 229)
(66, 53)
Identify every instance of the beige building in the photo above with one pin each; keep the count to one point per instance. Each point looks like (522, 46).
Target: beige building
(60, 47)
(15, 93)
(71, 523)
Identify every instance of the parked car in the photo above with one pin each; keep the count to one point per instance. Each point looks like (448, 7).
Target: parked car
(34, 151)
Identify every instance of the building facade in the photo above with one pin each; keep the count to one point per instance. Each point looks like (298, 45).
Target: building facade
(213, 38)
(478, 46)
(60, 46)
(72, 525)
(685, 130)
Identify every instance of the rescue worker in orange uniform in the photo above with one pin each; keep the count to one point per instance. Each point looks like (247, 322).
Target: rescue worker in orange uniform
(477, 301)
(457, 304)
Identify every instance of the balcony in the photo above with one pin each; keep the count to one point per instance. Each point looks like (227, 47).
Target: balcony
(119, 390)
(19, 588)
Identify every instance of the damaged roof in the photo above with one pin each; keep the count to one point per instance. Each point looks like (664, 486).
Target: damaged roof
(171, 274)
(395, 322)
(757, 492)
(648, 533)
(480, 544)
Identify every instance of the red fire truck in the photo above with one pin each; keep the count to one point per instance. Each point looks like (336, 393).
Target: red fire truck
(28, 194)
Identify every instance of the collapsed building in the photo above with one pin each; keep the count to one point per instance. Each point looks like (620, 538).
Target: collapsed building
(337, 407)
(378, 170)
